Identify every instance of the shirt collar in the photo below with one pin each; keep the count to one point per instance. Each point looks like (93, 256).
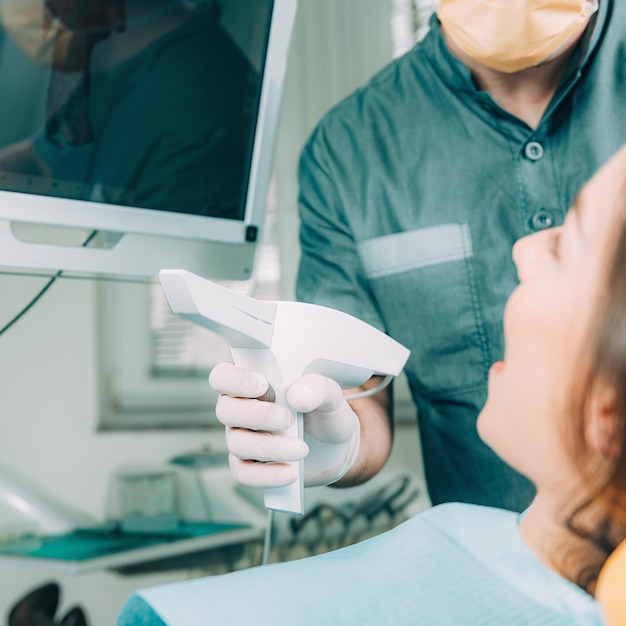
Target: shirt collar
(455, 73)
(601, 24)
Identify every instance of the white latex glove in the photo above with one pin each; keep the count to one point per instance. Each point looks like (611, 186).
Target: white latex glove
(259, 452)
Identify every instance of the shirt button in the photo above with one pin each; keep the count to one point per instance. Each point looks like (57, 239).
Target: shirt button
(541, 220)
(533, 150)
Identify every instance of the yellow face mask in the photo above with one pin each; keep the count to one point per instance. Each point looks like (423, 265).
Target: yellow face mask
(513, 35)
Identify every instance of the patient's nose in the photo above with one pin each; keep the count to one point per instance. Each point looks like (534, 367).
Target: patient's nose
(530, 253)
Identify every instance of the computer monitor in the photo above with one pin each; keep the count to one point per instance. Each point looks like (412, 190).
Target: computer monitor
(147, 123)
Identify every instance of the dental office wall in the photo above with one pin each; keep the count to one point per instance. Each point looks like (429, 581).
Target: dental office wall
(49, 359)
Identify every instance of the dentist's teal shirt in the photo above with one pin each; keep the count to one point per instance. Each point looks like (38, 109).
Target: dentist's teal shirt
(413, 191)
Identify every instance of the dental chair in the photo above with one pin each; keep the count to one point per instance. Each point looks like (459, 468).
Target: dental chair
(611, 587)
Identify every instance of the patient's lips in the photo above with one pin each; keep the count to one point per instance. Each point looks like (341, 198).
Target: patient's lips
(496, 368)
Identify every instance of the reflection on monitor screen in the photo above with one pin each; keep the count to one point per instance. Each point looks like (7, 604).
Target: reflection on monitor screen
(141, 117)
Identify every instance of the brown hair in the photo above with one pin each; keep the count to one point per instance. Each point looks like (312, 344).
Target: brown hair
(606, 366)
(609, 366)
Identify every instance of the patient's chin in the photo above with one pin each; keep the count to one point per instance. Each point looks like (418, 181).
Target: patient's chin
(487, 425)
(480, 420)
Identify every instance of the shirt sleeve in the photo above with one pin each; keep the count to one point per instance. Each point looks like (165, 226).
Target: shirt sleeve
(330, 272)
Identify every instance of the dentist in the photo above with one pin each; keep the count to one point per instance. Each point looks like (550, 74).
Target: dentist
(413, 191)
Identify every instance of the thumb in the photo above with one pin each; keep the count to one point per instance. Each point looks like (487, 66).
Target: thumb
(328, 416)
(314, 392)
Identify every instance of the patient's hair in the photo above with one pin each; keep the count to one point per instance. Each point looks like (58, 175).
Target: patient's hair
(608, 360)
(606, 365)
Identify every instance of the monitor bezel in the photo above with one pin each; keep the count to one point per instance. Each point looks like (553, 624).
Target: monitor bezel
(154, 239)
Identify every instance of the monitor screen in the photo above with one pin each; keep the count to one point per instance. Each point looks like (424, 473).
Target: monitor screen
(142, 119)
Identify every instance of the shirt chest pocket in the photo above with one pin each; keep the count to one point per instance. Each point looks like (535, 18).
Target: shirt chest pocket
(425, 287)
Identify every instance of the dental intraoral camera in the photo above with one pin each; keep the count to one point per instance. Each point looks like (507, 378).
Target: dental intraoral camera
(283, 341)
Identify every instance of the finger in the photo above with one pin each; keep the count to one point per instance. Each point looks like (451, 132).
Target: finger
(252, 474)
(259, 446)
(314, 392)
(226, 378)
(329, 417)
(252, 414)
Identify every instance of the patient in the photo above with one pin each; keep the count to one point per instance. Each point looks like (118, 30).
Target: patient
(556, 411)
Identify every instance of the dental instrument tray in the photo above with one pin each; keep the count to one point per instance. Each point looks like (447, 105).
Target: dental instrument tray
(108, 546)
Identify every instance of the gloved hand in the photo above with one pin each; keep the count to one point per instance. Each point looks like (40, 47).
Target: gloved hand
(258, 450)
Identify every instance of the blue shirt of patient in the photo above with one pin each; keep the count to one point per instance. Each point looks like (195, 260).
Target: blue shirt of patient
(453, 564)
